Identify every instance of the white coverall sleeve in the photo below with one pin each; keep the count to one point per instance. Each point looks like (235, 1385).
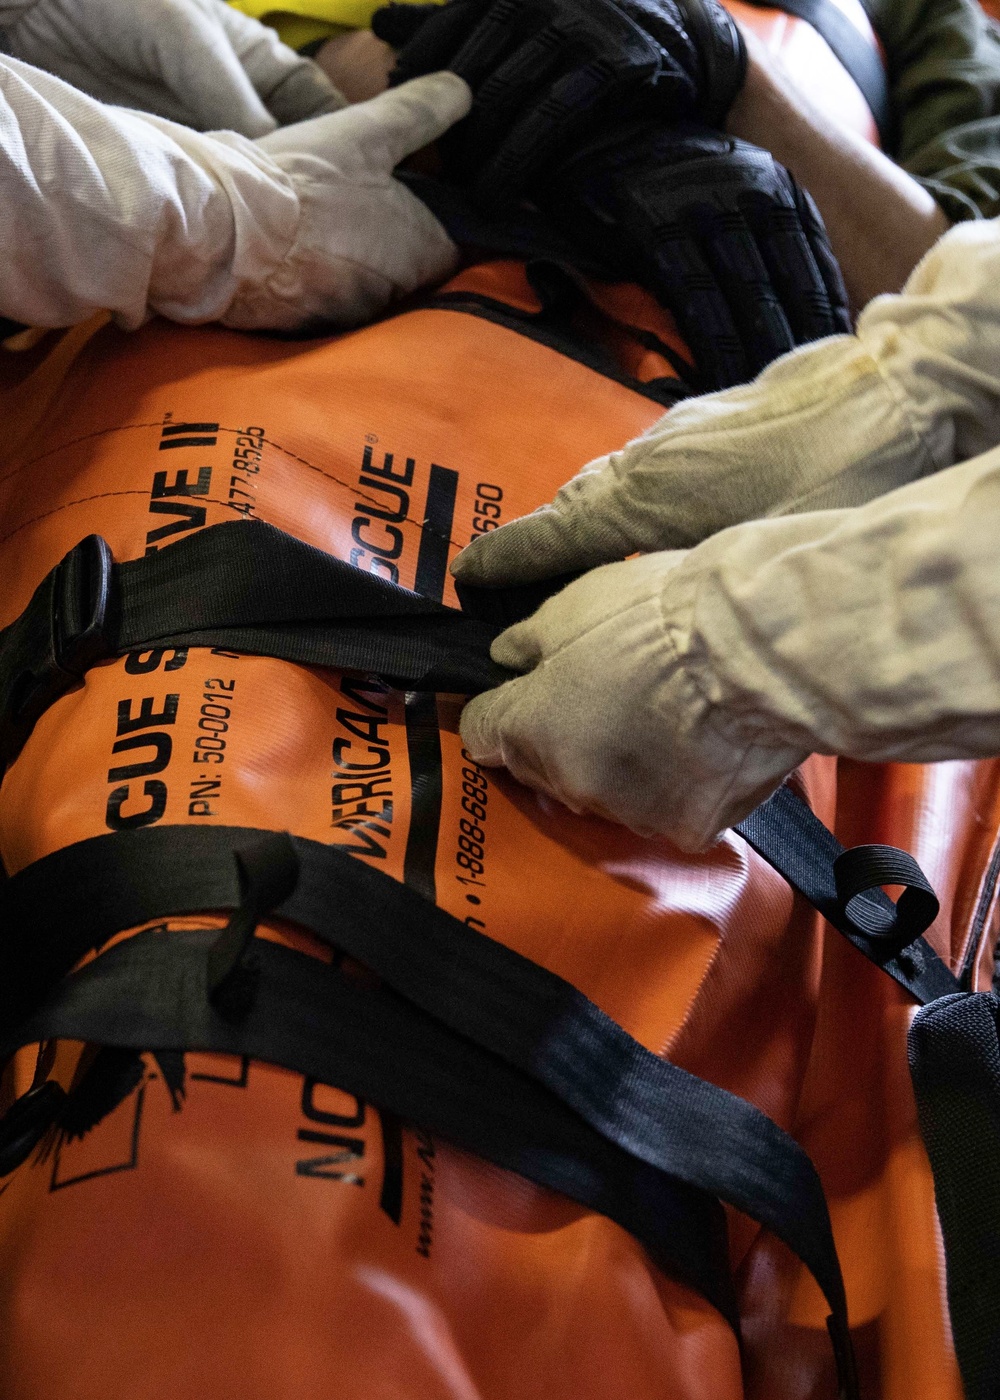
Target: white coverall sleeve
(675, 691)
(833, 424)
(198, 62)
(104, 208)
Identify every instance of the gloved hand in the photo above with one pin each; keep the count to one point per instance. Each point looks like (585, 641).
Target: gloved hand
(674, 692)
(608, 719)
(830, 425)
(198, 62)
(544, 72)
(363, 239)
(106, 208)
(720, 232)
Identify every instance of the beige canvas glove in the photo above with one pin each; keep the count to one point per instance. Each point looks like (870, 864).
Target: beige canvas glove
(198, 62)
(830, 425)
(109, 209)
(674, 692)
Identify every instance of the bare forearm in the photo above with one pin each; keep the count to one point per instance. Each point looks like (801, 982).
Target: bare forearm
(880, 220)
(360, 62)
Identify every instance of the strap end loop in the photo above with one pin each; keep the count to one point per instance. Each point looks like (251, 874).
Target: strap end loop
(268, 873)
(859, 874)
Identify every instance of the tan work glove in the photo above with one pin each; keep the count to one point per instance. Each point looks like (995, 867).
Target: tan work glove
(674, 692)
(829, 425)
(105, 208)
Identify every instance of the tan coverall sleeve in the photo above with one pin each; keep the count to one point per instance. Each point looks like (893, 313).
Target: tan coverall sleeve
(838, 423)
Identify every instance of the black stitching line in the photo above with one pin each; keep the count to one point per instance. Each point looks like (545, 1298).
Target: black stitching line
(130, 427)
(82, 501)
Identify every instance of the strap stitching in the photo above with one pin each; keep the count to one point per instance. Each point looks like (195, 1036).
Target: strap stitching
(129, 427)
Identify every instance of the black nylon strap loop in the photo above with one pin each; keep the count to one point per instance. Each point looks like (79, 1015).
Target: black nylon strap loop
(268, 873)
(792, 839)
(26, 1122)
(862, 870)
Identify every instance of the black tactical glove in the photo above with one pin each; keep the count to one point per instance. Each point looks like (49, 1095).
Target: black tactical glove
(717, 229)
(545, 72)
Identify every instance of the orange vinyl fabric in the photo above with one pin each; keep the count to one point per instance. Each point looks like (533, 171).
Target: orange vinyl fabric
(275, 1239)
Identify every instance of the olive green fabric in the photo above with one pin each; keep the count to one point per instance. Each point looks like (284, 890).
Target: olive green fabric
(943, 59)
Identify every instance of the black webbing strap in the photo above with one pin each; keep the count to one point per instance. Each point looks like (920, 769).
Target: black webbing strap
(249, 587)
(862, 61)
(150, 993)
(845, 886)
(245, 586)
(484, 992)
(955, 1068)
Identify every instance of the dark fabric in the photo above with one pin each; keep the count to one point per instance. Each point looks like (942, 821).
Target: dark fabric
(716, 229)
(791, 838)
(479, 990)
(955, 1067)
(518, 231)
(943, 63)
(544, 73)
(248, 587)
(149, 993)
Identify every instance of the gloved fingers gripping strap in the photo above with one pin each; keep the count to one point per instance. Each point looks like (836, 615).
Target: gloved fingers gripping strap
(245, 586)
(251, 588)
(149, 993)
(955, 1068)
(846, 887)
(485, 993)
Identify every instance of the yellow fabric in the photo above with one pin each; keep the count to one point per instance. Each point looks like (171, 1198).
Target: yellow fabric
(301, 22)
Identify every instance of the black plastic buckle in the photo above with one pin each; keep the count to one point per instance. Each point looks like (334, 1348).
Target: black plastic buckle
(26, 1122)
(61, 634)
